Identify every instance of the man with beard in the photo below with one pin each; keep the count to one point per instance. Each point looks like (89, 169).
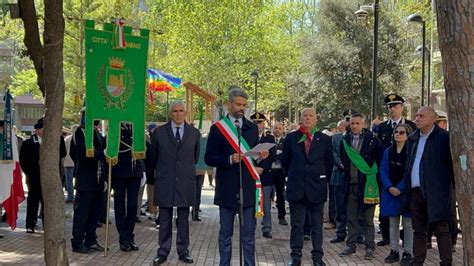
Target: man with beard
(223, 152)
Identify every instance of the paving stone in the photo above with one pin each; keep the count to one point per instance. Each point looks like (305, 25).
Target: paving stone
(20, 248)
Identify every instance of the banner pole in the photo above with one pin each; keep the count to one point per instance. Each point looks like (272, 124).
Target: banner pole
(109, 185)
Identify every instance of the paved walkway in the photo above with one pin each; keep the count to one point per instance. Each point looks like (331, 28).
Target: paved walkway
(27, 249)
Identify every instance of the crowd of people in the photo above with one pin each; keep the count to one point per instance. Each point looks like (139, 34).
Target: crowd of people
(404, 167)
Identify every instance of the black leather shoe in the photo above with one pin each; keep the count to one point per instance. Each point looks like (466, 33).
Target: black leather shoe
(294, 262)
(306, 238)
(2, 236)
(319, 262)
(186, 259)
(267, 234)
(336, 240)
(96, 247)
(197, 219)
(133, 246)
(346, 252)
(383, 242)
(125, 247)
(82, 250)
(30, 230)
(159, 260)
(282, 221)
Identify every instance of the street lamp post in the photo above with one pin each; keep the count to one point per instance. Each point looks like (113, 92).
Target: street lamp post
(418, 19)
(428, 78)
(255, 77)
(362, 14)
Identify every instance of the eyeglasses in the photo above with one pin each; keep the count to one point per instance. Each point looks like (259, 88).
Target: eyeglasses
(401, 132)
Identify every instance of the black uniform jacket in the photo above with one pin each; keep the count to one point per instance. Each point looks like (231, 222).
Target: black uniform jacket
(88, 171)
(30, 156)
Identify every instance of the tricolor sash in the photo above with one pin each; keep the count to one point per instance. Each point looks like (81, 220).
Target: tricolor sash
(371, 191)
(228, 130)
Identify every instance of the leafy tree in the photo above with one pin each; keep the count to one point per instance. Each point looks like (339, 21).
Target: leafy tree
(337, 61)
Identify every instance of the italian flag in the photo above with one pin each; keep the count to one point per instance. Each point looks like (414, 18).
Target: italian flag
(11, 189)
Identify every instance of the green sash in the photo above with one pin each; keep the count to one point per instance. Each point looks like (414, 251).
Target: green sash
(371, 192)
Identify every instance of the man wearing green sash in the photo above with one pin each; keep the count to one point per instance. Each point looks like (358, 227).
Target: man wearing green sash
(361, 153)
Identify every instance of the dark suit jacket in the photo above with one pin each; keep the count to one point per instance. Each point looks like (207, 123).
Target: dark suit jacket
(372, 152)
(436, 174)
(337, 177)
(30, 156)
(218, 152)
(385, 131)
(86, 168)
(175, 182)
(307, 175)
(266, 178)
(279, 146)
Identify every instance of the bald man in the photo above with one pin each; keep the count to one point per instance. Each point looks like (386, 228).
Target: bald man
(307, 159)
(429, 186)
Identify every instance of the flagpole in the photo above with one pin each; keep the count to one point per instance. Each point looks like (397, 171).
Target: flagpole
(167, 105)
(109, 184)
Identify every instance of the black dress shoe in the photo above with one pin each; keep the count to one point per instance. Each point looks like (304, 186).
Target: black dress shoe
(282, 221)
(267, 234)
(383, 242)
(346, 252)
(306, 238)
(30, 230)
(125, 247)
(96, 247)
(82, 250)
(186, 259)
(319, 262)
(197, 219)
(133, 246)
(337, 240)
(159, 260)
(2, 236)
(294, 262)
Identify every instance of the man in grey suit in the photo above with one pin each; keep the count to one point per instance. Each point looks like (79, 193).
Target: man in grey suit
(175, 149)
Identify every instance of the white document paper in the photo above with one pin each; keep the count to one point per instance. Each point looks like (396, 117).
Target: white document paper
(259, 148)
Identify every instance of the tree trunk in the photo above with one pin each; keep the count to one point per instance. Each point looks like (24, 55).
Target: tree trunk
(456, 38)
(53, 197)
(32, 39)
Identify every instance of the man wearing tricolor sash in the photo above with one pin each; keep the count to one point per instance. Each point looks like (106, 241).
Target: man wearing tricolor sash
(361, 154)
(307, 159)
(222, 152)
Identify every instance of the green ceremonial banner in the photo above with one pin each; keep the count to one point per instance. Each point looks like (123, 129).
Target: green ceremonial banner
(115, 86)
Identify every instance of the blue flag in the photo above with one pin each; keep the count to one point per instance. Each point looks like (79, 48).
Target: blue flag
(7, 128)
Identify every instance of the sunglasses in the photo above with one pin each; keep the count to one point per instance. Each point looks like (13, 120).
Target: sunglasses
(401, 132)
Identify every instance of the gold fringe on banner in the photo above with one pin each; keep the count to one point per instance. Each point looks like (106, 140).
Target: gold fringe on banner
(371, 201)
(112, 161)
(90, 153)
(138, 155)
